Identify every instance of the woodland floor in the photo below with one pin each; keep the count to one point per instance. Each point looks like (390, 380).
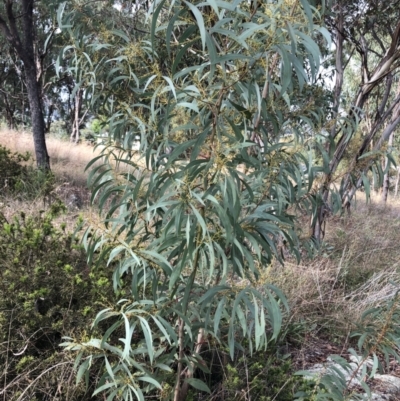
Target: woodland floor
(357, 268)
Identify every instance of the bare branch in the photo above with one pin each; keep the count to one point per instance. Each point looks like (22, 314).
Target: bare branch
(377, 38)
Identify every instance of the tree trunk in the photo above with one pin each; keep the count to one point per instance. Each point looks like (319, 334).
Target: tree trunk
(339, 70)
(397, 181)
(33, 88)
(49, 117)
(10, 109)
(318, 222)
(37, 119)
(75, 135)
(182, 386)
(385, 188)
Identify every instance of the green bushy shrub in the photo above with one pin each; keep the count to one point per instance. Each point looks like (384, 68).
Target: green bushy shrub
(261, 377)
(11, 168)
(19, 178)
(46, 291)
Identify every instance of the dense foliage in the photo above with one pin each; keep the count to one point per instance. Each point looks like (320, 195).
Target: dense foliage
(192, 224)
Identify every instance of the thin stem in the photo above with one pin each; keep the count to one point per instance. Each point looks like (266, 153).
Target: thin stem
(180, 358)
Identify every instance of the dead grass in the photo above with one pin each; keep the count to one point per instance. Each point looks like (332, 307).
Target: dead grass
(357, 269)
(67, 160)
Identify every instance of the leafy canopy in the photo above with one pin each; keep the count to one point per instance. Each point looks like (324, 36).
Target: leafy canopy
(217, 92)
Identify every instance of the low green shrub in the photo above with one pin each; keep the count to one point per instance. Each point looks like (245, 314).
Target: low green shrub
(47, 290)
(20, 179)
(11, 168)
(261, 376)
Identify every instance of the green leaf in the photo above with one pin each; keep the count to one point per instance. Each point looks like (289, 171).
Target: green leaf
(214, 6)
(171, 85)
(308, 12)
(211, 293)
(218, 314)
(148, 337)
(367, 187)
(253, 28)
(83, 370)
(121, 34)
(128, 337)
(163, 330)
(200, 22)
(154, 23)
(103, 388)
(150, 380)
(198, 385)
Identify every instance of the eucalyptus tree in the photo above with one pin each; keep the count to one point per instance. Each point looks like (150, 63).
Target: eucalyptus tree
(16, 25)
(371, 31)
(191, 224)
(46, 41)
(30, 30)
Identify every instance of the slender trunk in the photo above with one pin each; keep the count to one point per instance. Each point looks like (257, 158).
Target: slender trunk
(385, 188)
(23, 105)
(33, 88)
(339, 70)
(397, 181)
(318, 222)
(182, 388)
(37, 118)
(10, 115)
(177, 391)
(49, 117)
(75, 135)
(189, 372)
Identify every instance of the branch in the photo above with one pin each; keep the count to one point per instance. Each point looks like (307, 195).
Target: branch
(378, 124)
(385, 98)
(350, 56)
(6, 31)
(377, 38)
(395, 40)
(13, 36)
(395, 120)
(389, 129)
(385, 135)
(339, 71)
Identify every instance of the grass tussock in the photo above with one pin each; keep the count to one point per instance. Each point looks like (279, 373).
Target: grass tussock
(67, 160)
(357, 268)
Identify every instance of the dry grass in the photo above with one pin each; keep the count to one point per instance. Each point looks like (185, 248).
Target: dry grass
(358, 268)
(68, 161)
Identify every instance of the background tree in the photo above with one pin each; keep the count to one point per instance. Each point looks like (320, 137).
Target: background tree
(17, 26)
(37, 29)
(353, 26)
